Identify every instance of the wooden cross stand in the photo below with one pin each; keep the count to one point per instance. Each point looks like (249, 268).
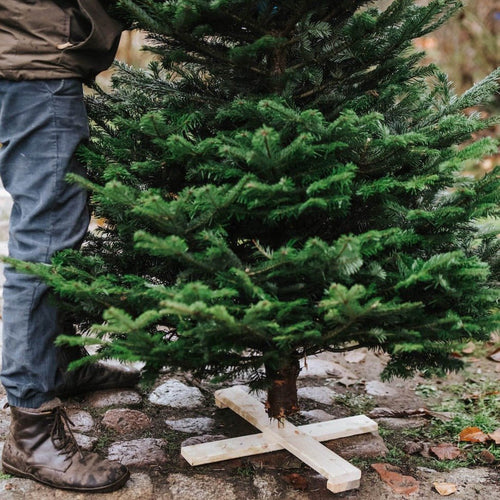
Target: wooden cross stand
(303, 442)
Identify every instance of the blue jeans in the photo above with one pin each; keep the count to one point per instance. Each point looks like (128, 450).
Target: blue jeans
(42, 122)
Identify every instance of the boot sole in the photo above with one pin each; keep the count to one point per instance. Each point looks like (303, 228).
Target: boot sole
(9, 469)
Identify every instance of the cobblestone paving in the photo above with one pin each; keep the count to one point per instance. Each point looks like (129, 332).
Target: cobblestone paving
(145, 430)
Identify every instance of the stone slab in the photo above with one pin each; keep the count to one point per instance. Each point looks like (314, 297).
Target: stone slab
(316, 366)
(323, 395)
(139, 452)
(85, 442)
(368, 445)
(175, 394)
(103, 399)
(198, 425)
(377, 388)
(125, 421)
(316, 415)
(82, 420)
(139, 486)
(202, 487)
(204, 438)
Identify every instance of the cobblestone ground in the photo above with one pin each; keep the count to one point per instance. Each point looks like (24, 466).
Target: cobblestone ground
(145, 430)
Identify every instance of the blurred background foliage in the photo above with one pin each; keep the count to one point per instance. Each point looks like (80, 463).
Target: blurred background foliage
(468, 48)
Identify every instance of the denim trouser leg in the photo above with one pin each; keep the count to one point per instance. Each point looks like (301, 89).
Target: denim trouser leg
(41, 124)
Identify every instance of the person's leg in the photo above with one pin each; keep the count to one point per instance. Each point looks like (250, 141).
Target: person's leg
(41, 125)
(42, 122)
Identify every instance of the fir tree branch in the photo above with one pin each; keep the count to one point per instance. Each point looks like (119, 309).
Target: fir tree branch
(314, 91)
(203, 48)
(348, 348)
(262, 250)
(300, 12)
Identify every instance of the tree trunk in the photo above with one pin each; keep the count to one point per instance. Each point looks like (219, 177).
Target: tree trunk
(282, 393)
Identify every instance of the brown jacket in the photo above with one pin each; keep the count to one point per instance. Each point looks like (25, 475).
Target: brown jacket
(46, 39)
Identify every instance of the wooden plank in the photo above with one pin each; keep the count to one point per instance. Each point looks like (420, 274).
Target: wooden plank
(341, 475)
(254, 444)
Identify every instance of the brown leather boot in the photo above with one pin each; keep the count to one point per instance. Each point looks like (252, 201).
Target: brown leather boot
(91, 377)
(39, 447)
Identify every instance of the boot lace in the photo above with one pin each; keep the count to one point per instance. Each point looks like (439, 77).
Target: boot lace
(65, 442)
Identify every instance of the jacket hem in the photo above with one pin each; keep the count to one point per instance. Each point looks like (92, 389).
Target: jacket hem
(19, 74)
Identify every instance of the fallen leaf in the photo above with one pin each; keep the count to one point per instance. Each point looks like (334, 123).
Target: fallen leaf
(479, 395)
(101, 222)
(355, 356)
(495, 435)
(495, 355)
(404, 485)
(445, 451)
(297, 481)
(445, 489)
(469, 348)
(386, 466)
(487, 457)
(425, 450)
(473, 435)
(413, 448)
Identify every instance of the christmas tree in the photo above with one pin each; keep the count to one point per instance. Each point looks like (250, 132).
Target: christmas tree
(284, 179)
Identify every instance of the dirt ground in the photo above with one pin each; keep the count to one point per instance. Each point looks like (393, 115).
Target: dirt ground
(355, 380)
(425, 413)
